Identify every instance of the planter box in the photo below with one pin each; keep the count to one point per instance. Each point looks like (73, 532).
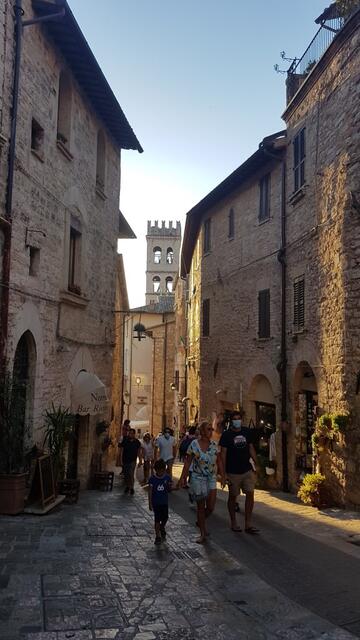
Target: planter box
(12, 493)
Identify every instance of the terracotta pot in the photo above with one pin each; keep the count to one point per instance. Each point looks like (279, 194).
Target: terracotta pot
(12, 493)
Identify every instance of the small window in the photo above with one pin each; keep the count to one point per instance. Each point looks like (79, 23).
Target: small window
(74, 261)
(156, 284)
(169, 255)
(231, 231)
(100, 161)
(206, 317)
(264, 313)
(34, 264)
(264, 207)
(299, 303)
(207, 235)
(157, 255)
(299, 159)
(169, 284)
(37, 138)
(64, 110)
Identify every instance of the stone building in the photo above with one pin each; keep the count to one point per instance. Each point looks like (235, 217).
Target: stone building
(148, 389)
(64, 220)
(272, 257)
(162, 262)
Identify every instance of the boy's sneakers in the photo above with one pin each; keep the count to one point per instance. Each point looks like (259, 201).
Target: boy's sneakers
(157, 540)
(163, 533)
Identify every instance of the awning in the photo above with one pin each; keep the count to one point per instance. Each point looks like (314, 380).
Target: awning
(89, 395)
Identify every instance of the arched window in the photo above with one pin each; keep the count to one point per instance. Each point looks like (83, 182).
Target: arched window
(100, 161)
(169, 284)
(157, 255)
(156, 284)
(64, 109)
(24, 376)
(169, 255)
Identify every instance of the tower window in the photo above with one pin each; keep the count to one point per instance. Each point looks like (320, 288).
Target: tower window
(264, 313)
(37, 138)
(206, 317)
(231, 230)
(34, 261)
(169, 255)
(100, 161)
(74, 261)
(264, 205)
(156, 284)
(169, 284)
(207, 235)
(157, 255)
(299, 159)
(64, 109)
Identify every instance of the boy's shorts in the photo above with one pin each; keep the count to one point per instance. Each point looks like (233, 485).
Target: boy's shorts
(200, 486)
(161, 512)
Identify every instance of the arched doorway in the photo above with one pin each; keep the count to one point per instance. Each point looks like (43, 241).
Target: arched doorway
(24, 375)
(263, 414)
(305, 403)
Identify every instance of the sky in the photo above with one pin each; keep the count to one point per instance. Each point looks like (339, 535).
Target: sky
(196, 81)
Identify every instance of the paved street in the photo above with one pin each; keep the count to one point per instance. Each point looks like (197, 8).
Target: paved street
(91, 571)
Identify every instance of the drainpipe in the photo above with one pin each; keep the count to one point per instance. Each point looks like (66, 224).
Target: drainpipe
(282, 367)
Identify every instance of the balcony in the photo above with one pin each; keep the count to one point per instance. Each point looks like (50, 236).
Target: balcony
(331, 21)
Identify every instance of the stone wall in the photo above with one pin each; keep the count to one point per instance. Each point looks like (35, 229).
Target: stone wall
(324, 241)
(54, 190)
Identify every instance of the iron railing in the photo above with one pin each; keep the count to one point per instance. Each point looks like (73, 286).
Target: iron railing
(318, 45)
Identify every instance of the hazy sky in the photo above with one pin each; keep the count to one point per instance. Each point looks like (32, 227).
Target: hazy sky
(196, 81)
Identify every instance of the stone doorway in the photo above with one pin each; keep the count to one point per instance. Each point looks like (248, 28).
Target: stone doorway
(305, 403)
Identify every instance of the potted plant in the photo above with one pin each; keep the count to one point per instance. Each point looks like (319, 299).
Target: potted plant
(340, 422)
(101, 427)
(310, 491)
(13, 433)
(59, 424)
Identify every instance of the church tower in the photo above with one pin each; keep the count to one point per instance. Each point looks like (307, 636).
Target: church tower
(162, 265)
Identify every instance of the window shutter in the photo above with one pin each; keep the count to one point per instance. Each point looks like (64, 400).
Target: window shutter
(264, 313)
(299, 303)
(206, 317)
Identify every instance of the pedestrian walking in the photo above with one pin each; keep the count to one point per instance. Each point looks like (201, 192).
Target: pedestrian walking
(159, 488)
(166, 449)
(202, 456)
(147, 453)
(129, 451)
(237, 466)
(189, 436)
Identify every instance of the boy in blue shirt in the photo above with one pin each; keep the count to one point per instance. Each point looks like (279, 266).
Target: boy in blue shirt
(159, 488)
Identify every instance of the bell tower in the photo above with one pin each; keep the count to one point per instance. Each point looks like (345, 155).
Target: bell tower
(162, 263)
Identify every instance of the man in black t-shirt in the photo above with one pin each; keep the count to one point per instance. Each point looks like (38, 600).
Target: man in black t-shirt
(237, 454)
(129, 451)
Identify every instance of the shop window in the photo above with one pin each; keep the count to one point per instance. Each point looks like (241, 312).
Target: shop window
(37, 139)
(207, 235)
(64, 110)
(299, 303)
(264, 205)
(231, 220)
(206, 317)
(34, 264)
(100, 161)
(169, 255)
(74, 261)
(299, 159)
(264, 313)
(169, 284)
(157, 255)
(156, 284)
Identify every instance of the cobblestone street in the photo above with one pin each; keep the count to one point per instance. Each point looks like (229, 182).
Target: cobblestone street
(91, 571)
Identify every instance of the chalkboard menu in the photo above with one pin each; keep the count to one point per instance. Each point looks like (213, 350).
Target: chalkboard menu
(46, 480)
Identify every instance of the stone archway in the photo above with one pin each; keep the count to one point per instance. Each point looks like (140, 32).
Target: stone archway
(263, 413)
(305, 400)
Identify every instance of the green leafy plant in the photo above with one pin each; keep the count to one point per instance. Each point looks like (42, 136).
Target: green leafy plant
(13, 428)
(324, 425)
(310, 489)
(340, 421)
(59, 425)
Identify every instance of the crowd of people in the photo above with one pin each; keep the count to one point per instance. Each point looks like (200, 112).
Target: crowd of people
(231, 461)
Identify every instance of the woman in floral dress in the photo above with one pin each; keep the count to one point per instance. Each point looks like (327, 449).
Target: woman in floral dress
(202, 455)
